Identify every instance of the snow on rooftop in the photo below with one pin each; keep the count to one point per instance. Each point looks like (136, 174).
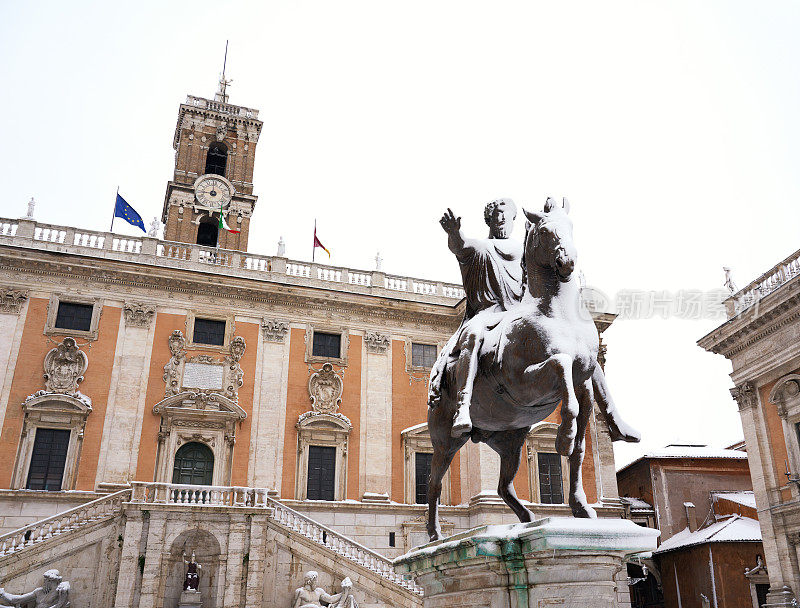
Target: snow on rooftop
(636, 504)
(733, 529)
(746, 498)
(689, 451)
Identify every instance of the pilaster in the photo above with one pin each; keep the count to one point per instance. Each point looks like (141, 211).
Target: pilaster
(376, 416)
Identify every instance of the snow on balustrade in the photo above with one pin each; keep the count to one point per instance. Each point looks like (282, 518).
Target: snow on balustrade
(396, 283)
(127, 245)
(51, 235)
(89, 239)
(451, 291)
(215, 257)
(329, 274)
(298, 270)
(254, 263)
(173, 251)
(360, 278)
(8, 228)
(73, 519)
(767, 283)
(428, 289)
(198, 496)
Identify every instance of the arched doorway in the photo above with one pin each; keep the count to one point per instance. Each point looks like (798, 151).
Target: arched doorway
(194, 464)
(207, 233)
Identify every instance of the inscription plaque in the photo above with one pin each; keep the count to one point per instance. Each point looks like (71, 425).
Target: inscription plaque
(203, 376)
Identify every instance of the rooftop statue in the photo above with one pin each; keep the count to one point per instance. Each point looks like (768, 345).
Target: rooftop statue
(54, 593)
(525, 345)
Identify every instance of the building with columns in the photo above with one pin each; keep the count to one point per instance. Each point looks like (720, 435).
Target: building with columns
(162, 396)
(761, 338)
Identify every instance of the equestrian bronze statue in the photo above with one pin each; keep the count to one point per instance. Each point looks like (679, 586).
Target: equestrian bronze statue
(526, 345)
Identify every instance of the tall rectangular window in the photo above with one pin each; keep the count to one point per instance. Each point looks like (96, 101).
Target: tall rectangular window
(551, 489)
(48, 459)
(321, 472)
(209, 331)
(422, 472)
(74, 316)
(326, 345)
(423, 355)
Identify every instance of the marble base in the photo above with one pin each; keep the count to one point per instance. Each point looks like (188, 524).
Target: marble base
(557, 561)
(190, 599)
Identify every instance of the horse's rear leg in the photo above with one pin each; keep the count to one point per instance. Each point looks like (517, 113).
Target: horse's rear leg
(577, 497)
(617, 427)
(442, 457)
(508, 445)
(465, 371)
(556, 373)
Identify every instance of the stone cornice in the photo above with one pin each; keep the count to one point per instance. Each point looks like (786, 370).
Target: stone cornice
(780, 308)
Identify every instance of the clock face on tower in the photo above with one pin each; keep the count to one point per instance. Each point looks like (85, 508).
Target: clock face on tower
(213, 191)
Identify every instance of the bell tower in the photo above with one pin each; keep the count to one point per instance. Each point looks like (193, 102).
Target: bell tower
(215, 146)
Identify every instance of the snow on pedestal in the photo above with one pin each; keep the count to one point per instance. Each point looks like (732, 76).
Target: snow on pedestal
(555, 561)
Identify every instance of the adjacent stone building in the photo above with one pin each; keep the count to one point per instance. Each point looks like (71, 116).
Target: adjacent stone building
(761, 338)
(162, 396)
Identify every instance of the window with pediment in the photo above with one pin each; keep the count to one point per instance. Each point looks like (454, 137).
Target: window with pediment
(417, 457)
(546, 479)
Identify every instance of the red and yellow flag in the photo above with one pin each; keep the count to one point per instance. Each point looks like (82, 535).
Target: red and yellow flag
(318, 243)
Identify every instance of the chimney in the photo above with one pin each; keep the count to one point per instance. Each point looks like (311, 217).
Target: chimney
(691, 516)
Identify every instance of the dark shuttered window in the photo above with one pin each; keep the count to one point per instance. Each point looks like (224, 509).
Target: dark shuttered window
(326, 345)
(422, 472)
(321, 472)
(48, 459)
(209, 331)
(74, 316)
(551, 490)
(423, 355)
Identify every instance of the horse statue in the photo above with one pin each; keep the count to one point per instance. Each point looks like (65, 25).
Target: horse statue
(512, 368)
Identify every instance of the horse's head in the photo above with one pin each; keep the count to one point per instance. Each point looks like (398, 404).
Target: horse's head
(548, 240)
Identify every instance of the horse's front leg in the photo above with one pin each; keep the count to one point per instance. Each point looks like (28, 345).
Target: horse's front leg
(509, 446)
(577, 497)
(443, 454)
(555, 374)
(617, 427)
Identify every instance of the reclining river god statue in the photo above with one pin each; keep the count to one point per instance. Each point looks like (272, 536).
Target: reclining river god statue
(525, 345)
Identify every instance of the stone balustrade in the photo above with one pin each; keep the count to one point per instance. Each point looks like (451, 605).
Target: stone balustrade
(202, 496)
(73, 519)
(763, 285)
(30, 234)
(340, 544)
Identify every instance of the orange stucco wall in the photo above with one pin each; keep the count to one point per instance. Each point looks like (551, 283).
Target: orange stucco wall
(241, 451)
(28, 378)
(297, 402)
(410, 407)
(775, 436)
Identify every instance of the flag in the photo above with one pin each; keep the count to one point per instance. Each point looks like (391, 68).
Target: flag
(126, 212)
(223, 225)
(318, 243)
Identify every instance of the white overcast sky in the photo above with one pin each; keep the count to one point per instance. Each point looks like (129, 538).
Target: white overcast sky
(673, 128)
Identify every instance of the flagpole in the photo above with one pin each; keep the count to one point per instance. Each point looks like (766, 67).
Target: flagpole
(114, 214)
(314, 242)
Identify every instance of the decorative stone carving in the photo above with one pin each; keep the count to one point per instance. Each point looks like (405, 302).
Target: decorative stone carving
(64, 367)
(222, 131)
(786, 394)
(793, 538)
(177, 347)
(744, 395)
(309, 595)
(376, 342)
(11, 300)
(274, 331)
(138, 314)
(235, 373)
(325, 390)
(54, 593)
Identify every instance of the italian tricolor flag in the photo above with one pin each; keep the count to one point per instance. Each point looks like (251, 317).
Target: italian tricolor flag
(223, 225)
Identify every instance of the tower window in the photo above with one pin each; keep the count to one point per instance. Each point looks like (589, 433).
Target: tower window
(422, 472)
(74, 316)
(217, 158)
(207, 234)
(550, 479)
(321, 472)
(209, 331)
(327, 345)
(48, 459)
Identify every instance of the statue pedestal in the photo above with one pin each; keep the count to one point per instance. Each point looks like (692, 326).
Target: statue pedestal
(556, 561)
(190, 599)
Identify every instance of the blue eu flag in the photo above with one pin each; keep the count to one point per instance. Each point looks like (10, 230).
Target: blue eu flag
(128, 213)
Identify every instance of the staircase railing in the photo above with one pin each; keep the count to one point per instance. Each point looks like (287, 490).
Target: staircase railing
(67, 521)
(339, 543)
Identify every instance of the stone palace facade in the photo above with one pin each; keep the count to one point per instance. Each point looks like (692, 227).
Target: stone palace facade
(178, 395)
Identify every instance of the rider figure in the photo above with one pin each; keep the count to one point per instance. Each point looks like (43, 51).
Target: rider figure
(491, 272)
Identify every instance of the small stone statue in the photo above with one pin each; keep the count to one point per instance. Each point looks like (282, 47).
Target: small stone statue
(54, 593)
(729, 284)
(155, 226)
(31, 205)
(345, 599)
(281, 248)
(378, 261)
(192, 580)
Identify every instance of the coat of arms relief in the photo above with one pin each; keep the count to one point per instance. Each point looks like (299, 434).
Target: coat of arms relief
(325, 390)
(64, 367)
